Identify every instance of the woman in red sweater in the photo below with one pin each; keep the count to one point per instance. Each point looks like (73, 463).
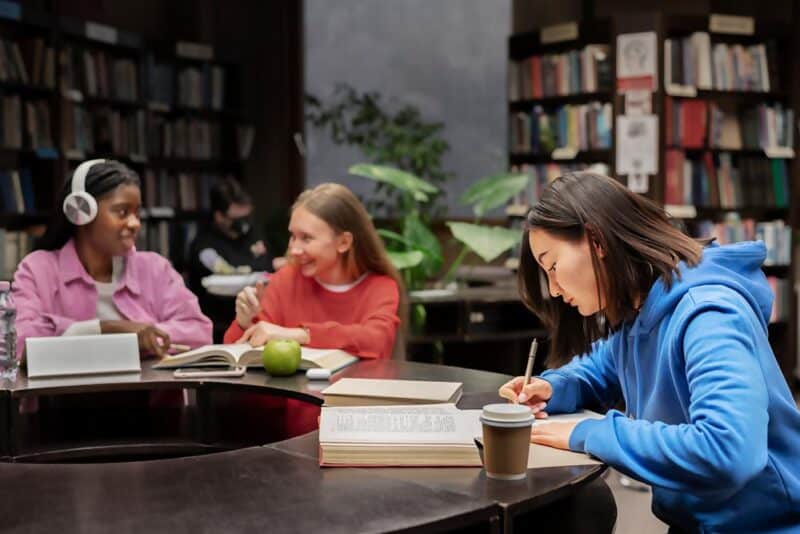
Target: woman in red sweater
(339, 290)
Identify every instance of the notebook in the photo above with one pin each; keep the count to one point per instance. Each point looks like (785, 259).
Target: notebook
(381, 392)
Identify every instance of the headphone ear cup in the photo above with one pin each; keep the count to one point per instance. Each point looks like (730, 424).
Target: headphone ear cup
(80, 208)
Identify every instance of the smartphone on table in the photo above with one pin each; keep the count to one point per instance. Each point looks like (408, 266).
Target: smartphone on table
(209, 372)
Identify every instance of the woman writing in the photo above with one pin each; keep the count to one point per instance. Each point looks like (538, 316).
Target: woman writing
(88, 278)
(710, 422)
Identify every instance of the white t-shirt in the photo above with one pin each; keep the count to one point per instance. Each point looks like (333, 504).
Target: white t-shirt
(106, 310)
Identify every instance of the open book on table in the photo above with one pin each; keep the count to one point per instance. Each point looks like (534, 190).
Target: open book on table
(433, 435)
(242, 354)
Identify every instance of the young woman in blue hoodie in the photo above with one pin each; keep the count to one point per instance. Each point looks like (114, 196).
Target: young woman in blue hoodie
(675, 328)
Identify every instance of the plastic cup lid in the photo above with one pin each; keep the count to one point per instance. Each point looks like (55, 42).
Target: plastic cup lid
(507, 413)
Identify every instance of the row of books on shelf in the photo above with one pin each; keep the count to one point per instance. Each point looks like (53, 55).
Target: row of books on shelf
(698, 124)
(103, 130)
(776, 235)
(16, 191)
(582, 127)
(28, 62)
(183, 191)
(11, 118)
(183, 138)
(587, 70)
(538, 178)
(139, 135)
(720, 181)
(97, 73)
(167, 238)
(201, 88)
(14, 245)
(694, 61)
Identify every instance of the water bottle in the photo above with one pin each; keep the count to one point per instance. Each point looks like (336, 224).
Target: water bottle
(8, 332)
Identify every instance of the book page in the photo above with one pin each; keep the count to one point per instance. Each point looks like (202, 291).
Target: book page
(333, 359)
(207, 355)
(436, 423)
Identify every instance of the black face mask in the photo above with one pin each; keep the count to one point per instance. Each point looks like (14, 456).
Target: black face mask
(241, 225)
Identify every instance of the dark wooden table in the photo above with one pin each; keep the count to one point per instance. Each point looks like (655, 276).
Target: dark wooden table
(277, 487)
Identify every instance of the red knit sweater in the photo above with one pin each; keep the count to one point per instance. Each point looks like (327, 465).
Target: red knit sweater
(362, 321)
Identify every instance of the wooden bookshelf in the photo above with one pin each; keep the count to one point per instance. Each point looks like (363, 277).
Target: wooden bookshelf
(767, 199)
(106, 81)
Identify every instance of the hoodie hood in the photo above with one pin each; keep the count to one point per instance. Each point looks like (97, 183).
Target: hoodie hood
(737, 266)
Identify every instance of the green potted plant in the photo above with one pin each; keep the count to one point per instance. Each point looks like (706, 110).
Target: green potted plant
(413, 247)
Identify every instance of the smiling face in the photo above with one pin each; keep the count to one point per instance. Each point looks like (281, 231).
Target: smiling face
(117, 224)
(568, 265)
(317, 249)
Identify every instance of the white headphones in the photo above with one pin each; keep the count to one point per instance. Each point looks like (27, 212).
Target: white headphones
(80, 207)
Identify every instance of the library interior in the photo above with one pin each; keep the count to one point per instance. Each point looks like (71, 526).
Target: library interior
(399, 266)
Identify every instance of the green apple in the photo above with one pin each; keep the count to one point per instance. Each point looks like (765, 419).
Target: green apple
(281, 357)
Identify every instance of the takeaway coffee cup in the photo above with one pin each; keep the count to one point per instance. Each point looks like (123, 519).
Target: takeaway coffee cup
(506, 438)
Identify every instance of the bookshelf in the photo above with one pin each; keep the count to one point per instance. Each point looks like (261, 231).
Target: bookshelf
(89, 90)
(560, 106)
(727, 139)
(725, 104)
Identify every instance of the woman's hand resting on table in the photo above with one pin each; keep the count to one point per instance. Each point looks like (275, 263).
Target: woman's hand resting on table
(536, 394)
(152, 340)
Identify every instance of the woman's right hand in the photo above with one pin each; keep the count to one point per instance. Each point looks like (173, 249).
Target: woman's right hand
(535, 394)
(248, 304)
(151, 340)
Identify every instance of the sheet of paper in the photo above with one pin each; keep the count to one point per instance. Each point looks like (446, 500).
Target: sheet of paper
(542, 456)
(637, 62)
(637, 146)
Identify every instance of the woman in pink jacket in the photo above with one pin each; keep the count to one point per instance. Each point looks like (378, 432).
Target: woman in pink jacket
(88, 278)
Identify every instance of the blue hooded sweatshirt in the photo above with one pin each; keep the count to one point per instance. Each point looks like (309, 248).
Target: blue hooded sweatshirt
(711, 424)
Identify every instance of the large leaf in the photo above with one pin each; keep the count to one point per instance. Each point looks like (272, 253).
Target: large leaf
(394, 237)
(488, 242)
(406, 259)
(415, 231)
(492, 192)
(419, 189)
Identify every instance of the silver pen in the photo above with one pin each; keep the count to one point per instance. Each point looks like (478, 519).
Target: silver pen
(531, 357)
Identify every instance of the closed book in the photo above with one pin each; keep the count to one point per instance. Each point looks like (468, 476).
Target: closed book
(382, 392)
(242, 354)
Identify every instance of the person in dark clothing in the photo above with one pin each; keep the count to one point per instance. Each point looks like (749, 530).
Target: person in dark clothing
(228, 244)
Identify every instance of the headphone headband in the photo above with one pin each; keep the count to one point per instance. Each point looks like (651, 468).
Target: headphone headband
(79, 176)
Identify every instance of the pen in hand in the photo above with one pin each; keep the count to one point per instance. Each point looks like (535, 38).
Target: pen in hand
(528, 370)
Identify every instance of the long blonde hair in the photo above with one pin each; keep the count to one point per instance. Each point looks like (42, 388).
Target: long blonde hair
(338, 206)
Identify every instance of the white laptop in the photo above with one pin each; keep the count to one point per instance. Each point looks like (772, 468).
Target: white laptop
(82, 355)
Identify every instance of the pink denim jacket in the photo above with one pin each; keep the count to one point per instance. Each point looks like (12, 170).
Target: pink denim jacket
(52, 290)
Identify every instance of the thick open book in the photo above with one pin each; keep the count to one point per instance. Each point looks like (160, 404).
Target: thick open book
(242, 354)
(414, 435)
(434, 435)
(382, 392)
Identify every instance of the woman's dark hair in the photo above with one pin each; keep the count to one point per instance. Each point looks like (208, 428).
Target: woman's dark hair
(640, 245)
(101, 179)
(226, 192)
